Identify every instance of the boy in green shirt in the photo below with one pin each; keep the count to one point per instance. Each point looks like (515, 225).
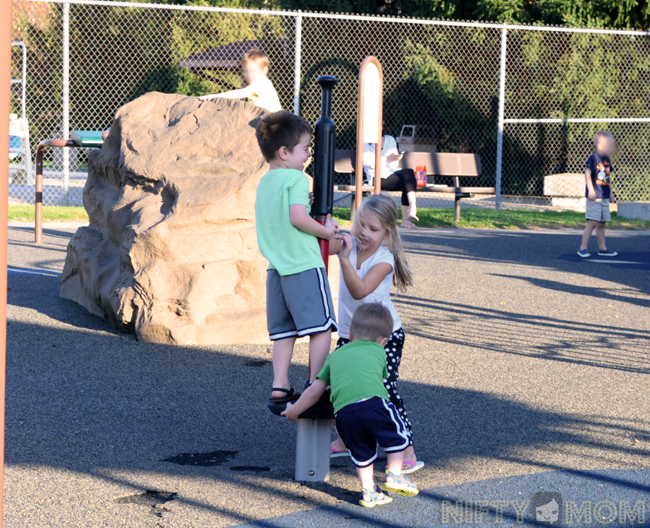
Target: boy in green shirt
(298, 298)
(365, 417)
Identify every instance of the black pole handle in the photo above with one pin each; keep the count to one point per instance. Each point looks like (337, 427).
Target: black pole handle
(324, 149)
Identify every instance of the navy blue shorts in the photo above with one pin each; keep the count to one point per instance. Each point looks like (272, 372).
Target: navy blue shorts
(366, 426)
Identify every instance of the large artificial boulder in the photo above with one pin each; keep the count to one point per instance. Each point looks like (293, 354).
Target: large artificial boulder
(171, 253)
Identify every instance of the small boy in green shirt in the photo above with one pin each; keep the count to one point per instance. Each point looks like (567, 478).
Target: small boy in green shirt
(365, 417)
(298, 298)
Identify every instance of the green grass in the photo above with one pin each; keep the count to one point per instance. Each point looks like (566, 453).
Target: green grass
(469, 218)
(504, 219)
(25, 213)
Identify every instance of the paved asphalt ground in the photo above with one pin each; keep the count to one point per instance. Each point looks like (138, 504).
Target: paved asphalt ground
(525, 370)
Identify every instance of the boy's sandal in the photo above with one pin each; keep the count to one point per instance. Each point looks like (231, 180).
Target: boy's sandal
(400, 484)
(335, 453)
(411, 467)
(291, 395)
(413, 219)
(375, 498)
(407, 225)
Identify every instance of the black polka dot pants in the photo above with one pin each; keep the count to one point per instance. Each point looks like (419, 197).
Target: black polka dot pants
(393, 358)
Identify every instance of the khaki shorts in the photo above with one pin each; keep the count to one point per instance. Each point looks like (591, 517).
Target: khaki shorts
(598, 210)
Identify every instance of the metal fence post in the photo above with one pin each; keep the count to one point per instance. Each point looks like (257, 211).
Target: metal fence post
(66, 98)
(502, 97)
(296, 73)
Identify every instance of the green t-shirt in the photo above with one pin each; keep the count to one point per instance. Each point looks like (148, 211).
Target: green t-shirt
(355, 371)
(288, 249)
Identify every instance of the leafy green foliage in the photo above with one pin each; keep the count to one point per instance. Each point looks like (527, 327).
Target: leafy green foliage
(628, 14)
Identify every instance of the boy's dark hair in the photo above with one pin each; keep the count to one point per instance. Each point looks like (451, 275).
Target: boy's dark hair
(255, 55)
(371, 322)
(280, 129)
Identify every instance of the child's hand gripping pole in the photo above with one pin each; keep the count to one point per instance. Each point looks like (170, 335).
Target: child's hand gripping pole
(322, 243)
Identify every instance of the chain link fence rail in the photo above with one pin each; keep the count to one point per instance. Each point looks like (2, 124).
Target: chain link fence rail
(527, 99)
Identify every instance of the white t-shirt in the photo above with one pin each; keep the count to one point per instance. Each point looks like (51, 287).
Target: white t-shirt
(264, 95)
(389, 147)
(347, 304)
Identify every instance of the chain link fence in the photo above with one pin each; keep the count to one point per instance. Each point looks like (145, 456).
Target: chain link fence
(527, 99)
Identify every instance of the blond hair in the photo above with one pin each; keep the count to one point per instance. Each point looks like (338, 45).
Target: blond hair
(371, 322)
(256, 56)
(384, 208)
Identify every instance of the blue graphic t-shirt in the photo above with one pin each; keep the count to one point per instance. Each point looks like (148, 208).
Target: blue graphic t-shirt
(600, 168)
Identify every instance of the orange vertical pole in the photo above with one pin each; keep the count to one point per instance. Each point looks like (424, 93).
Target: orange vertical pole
(38, 198)
(5, 86)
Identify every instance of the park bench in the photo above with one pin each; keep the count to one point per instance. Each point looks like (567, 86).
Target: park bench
(436, 163)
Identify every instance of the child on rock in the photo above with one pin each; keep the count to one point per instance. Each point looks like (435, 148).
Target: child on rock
(259, 89)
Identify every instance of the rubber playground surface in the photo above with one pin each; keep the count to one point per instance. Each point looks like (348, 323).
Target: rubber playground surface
(526, 370)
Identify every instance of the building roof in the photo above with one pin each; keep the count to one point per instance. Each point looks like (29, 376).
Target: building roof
(228, 56)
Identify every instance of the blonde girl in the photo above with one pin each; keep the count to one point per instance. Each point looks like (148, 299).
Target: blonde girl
(372, 260)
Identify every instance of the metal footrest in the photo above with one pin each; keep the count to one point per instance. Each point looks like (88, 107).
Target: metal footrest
(312, 440)
(321, 410)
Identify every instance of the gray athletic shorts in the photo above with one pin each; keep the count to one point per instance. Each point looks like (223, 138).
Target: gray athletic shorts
(598, 210)
(298, 304)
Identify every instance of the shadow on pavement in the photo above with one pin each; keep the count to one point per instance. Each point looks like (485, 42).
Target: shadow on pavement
(94, 402)
(47, 232)
(537, 336)
(532, 248)
(83, 398)
(599, 293)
